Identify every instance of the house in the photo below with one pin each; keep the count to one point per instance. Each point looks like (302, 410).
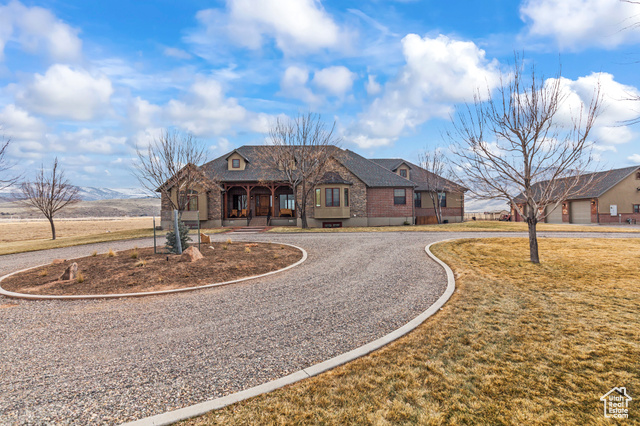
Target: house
(605, 197)
(354, 191)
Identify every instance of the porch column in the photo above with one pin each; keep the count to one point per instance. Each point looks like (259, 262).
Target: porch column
(225, 204)
(273, 199)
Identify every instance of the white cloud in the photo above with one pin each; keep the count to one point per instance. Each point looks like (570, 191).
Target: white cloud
(174, 52)
(634, 158)
(67, 93)
(582, 23)
(336, 80)
(296, 26)
(86, 141)
(141, 113)
(372, 86)
(438, 72)
(294, 84)
(205, 110)
(18, 125)
(36, 29)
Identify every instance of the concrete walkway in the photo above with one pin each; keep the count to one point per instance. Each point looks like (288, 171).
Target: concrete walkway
(111, 361)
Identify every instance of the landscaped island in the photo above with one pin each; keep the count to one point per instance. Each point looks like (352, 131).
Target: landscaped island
(140, 270)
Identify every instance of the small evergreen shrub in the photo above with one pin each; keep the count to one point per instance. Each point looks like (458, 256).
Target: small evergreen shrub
(172, 244)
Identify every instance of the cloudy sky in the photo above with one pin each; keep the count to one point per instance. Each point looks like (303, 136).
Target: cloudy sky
(88, 81)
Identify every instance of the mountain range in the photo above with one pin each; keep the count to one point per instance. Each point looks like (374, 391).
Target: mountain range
(89, 193)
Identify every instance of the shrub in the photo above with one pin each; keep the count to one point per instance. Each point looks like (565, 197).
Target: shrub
(43, 273)
(141, 263)
(225, 247)
(111, 253)
(95, 253)
(134, 254)
(228, 240)
(247, 250)
(172, 243)
(79, 277)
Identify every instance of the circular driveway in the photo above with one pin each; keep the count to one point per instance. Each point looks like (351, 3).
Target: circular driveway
(110, 361)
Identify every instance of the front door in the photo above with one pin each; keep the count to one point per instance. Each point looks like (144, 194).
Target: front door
(262, 209)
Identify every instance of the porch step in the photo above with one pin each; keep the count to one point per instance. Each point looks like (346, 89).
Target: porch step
(258, 221)
(249, 230)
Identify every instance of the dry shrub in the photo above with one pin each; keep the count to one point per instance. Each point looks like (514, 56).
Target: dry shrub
(79, 278)
(134, 253)
(228, 240)
(225, 247)
(43, 273)
(251, 245)
(141, 263)
(111, 253)
(247, 250)
(94, 254)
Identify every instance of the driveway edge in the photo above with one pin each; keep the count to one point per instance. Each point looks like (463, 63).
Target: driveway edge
(171, 417)
(6, 293)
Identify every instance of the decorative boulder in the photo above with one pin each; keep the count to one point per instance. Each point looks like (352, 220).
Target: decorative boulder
(57, 261)
(204, 238)
(70, 273)
(191, 255)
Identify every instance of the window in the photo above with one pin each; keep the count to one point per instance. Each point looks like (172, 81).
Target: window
(637, 175)
(332, 224)
(192, 200)
(399, 196)
(332, 197)
(636, 208)
(417, 199)
(442, 199)
(318, 200)
(287, 202)
(403, 173)
(346, 197)
(239, 202)
(235, 163)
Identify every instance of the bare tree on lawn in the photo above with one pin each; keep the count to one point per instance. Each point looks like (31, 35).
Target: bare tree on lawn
(435, 163)
(302, 147)
(49, 193)
(517, 146)
(172, 161)
(5, 165)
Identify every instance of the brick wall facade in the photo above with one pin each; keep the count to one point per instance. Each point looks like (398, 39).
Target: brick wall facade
(380, 203)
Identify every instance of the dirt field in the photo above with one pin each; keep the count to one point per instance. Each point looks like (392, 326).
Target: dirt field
(132, 207)
(40, 230)
(139, 270)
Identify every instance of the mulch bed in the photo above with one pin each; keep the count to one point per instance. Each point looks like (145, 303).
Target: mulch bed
(140, 270)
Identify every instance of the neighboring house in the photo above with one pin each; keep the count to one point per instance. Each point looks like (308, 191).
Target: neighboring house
(354, 191)
(613, 197)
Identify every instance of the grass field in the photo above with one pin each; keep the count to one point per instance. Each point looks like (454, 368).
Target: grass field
(18, 237)
(516, 344)
(476, 226)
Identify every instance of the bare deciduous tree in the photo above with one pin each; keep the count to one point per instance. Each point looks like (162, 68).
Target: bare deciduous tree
(435, 163)
(171, 162)
(49, 193)
(302, 148)
(515, 146)
(5, 165)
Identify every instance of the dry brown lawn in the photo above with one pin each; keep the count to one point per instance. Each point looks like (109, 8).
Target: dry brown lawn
(475, 226)
(18, 237)
(517, 344)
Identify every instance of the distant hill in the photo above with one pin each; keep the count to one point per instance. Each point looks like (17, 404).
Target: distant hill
(129, 207)
(89, 193)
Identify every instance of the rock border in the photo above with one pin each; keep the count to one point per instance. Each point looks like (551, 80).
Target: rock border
(6, 293)
(174, 416)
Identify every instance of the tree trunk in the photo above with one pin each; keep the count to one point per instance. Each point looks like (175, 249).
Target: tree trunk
(533, 242)
(53, 228)
(303, 206)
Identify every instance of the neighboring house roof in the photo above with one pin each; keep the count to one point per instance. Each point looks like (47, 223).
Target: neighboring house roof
(259, 167)
(420, 176)
(591, 185)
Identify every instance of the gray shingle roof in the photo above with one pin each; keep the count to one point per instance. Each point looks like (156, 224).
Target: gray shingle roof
(419, 176)
(258, 168)
(333, 177)
(372, 174)
(594, 185)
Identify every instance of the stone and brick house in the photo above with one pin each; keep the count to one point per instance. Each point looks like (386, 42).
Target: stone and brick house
(606, 197)
(354, 191)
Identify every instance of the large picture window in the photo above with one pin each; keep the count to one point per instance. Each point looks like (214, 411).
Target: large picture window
(332, 197)
(399, 196)
(442, 199)
(287, 202)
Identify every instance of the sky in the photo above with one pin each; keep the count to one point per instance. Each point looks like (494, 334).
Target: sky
(88, 82)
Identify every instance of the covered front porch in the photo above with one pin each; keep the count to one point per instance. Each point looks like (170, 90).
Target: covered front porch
(267, 203)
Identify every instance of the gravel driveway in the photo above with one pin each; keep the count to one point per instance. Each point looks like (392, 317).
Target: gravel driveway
(110, 361)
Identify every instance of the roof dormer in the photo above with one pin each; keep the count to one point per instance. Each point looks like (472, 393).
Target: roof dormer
(236, 161)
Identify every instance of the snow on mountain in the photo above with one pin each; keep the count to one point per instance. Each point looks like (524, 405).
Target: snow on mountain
(88, 193)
